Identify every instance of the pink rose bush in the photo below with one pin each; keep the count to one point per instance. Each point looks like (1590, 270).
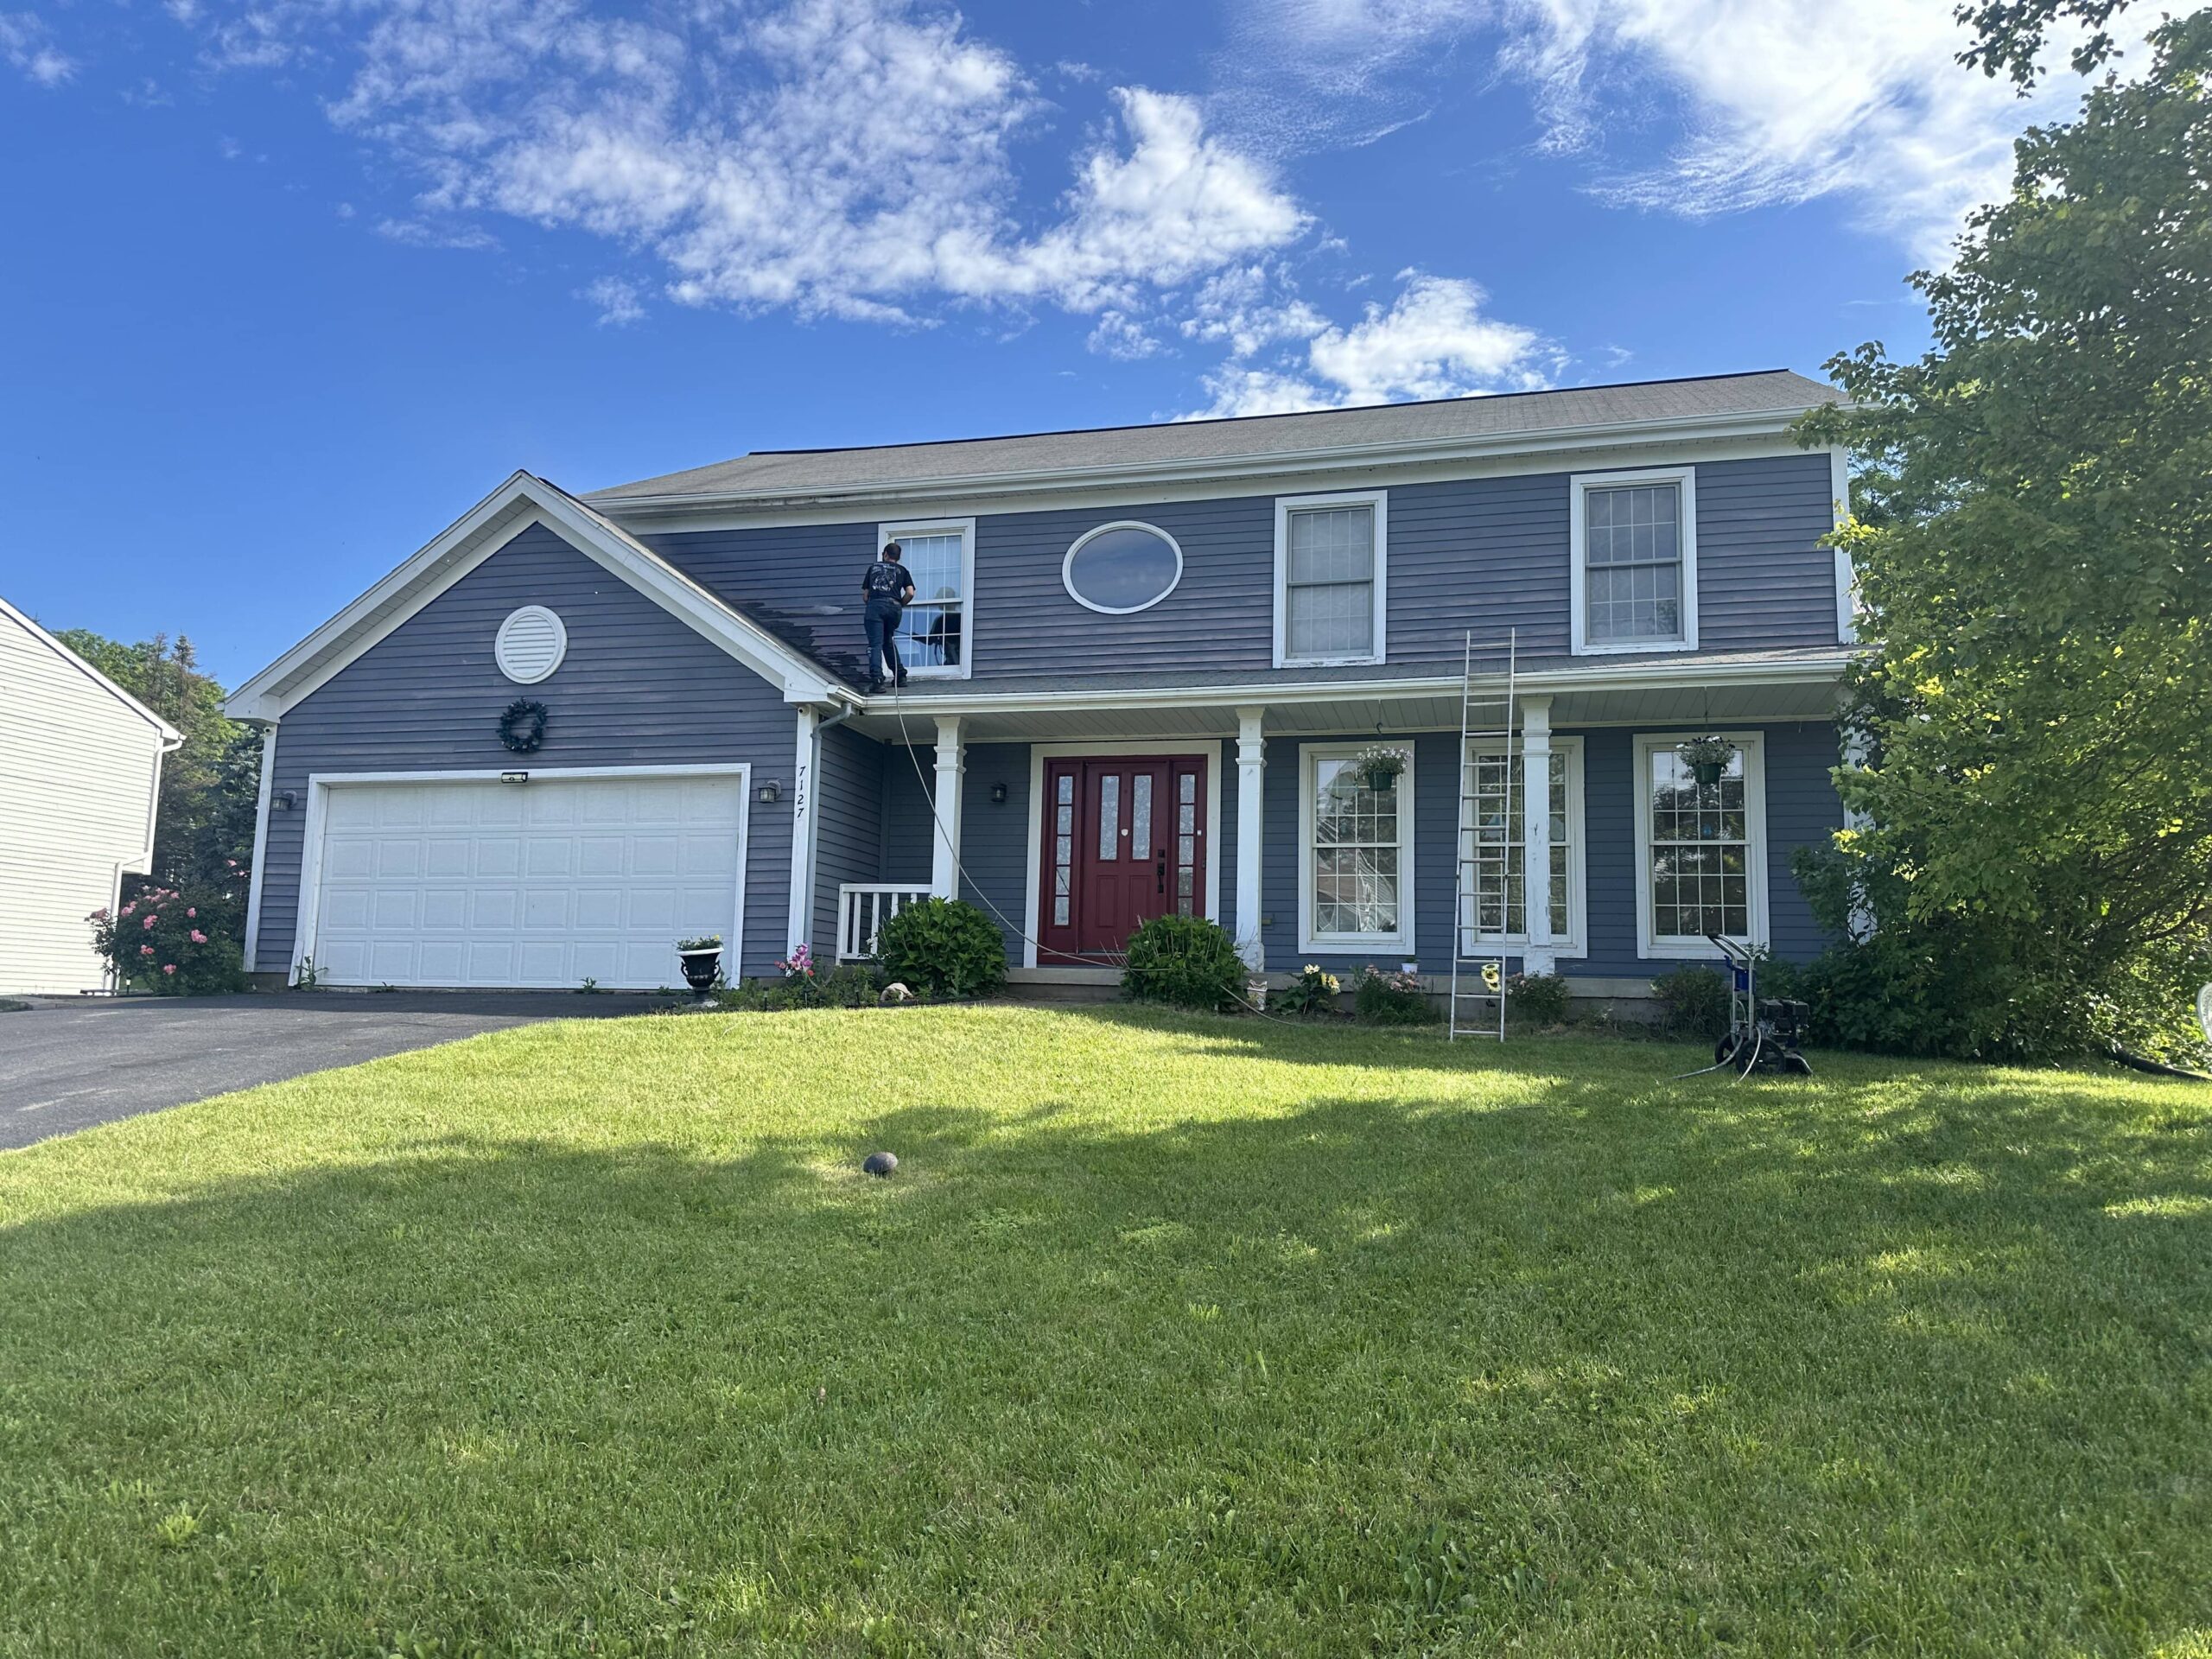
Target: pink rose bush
(177, 944)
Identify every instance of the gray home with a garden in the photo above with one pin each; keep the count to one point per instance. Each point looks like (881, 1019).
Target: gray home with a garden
(1143, 660)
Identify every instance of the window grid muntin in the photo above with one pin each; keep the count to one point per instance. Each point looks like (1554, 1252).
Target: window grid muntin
(1632, 563)
(1699, 849)
(1501, 845)
(1329, 572)
(1357, 888)
(932, 633)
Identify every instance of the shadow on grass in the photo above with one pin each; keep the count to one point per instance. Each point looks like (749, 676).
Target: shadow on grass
(1739, 1371)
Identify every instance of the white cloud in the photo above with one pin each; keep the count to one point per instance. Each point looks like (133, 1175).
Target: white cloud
(1781, 100)
(1121, 336)
(1433, 340)
(853, 157)
(27, 46)
(619, 302)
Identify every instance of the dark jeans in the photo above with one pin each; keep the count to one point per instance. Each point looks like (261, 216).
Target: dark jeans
(881, 621)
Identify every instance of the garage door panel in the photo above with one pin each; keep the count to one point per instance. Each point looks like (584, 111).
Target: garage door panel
(544, 884)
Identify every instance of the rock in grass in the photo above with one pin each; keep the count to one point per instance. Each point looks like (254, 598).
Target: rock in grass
(879, 1163)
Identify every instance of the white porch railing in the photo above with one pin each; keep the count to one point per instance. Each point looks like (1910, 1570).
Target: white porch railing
(862, 909)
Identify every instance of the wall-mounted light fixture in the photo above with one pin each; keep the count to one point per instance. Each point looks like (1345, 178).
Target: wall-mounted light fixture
(771, 793)
(998, 794)
(285, 799)
(514, 777)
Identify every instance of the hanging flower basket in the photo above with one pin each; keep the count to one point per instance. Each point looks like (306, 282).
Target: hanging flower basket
(1378, 767)
(1707, 758)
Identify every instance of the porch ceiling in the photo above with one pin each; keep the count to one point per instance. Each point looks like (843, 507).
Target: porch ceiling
(1422, 708)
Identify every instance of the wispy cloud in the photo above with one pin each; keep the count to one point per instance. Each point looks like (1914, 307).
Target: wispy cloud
(619, 302)
(1766, 102)
(27, 46)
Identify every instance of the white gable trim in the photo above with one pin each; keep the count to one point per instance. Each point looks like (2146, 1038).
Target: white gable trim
(170, 737)
(522, 501)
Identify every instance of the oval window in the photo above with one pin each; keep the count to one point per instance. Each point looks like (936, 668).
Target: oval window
(1122, 567)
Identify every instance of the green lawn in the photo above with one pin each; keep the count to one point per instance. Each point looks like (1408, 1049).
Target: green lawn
(1170, 1335)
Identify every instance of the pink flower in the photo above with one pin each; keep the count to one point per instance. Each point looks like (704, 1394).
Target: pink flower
(168, 967)
(145, 950)
(150, 922)
(192, 912)
(128, 908)
(198, 938)
(232, 862)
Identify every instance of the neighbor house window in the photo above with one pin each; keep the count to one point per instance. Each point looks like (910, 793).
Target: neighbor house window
(934, 638)
(1633, 545)
(1494, 908)
(1701, 849)
(1357, 855)
(1331, 553)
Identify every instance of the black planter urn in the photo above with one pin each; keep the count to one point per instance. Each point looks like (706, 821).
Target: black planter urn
(701, 968)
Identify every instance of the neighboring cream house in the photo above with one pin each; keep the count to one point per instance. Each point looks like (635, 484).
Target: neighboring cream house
(80, 768)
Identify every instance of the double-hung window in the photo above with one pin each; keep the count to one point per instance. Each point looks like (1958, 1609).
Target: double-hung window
(935, 639)
(1494, 842)
(1356, 859)
(1701, 849)
(1331, 554)
(1633, 561)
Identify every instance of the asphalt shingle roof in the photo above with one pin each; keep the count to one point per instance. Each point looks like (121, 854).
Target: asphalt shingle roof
(800, 472)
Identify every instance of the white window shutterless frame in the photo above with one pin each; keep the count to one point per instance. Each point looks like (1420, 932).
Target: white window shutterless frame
(1495, 913)
(1632, 561)
(1355, 856)
(1331, 578)
(1700, 852)
(936, 637)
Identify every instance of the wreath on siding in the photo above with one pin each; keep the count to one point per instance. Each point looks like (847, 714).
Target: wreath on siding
(522, 728)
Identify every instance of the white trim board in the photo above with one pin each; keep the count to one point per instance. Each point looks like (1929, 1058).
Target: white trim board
(1032, 861)
(1405, 940)
(521, 501)
(319, 784)
(1577, 555)
(260, 849)
(1753, 746)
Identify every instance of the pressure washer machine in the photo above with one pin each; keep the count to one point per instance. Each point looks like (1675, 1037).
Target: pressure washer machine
(1763, 1031)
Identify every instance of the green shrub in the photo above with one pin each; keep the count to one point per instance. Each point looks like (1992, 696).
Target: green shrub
(1696, 1001)
(1382, 999)
(1314, 991)
(849, 985)
(943, 947)
(1184, 960)
(171, 942)
(1540, 999)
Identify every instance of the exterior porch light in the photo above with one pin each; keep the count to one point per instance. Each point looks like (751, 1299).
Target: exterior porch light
(771, 793)
(514, 777)
(285, 799)
(998, 794)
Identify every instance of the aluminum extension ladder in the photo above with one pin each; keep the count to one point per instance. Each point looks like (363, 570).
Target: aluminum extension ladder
(1478, 990)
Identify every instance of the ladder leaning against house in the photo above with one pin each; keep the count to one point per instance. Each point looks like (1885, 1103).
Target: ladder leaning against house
(1485, 850)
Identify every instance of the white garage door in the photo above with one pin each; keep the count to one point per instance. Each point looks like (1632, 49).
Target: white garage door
(544, 883)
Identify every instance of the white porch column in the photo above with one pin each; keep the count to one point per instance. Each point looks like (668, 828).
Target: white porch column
(800, 928)
(1536, 832)
(944, 840)
(1251, 767)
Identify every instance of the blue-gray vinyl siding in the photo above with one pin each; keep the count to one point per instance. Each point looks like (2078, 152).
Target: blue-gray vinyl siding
(638, 688)
(1484, 553)
(849, 837)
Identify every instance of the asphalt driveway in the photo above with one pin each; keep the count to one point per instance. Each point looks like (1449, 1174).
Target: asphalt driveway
(68, 1065)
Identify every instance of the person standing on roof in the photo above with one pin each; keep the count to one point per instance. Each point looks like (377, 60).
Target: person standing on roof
(887, 586)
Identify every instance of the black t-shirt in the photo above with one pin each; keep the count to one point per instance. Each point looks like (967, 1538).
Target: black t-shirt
(886, 579)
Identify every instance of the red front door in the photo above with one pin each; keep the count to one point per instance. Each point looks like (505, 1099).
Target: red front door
(1124, 839)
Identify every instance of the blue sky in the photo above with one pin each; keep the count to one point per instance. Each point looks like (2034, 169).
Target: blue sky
(289, 285)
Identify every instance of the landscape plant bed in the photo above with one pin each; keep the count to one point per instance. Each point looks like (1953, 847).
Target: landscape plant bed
(1170, 1334)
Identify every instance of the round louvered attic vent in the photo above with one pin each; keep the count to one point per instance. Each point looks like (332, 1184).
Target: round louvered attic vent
(530, 645)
